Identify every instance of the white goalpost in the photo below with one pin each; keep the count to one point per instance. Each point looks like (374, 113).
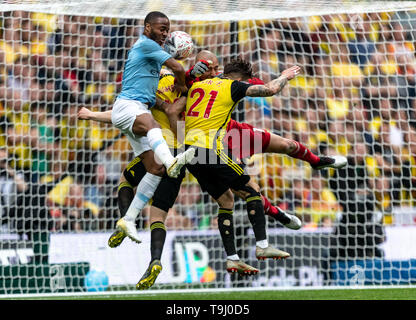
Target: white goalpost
(355, 97)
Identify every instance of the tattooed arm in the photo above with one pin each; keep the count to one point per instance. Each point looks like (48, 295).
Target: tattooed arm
(274, 86)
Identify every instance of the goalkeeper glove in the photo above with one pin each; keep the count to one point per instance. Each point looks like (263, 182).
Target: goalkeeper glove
(198, 69)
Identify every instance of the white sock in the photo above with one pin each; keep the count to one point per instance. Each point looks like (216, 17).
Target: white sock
(144, 193)
(234, 257)
(262, 244)
(159, 146)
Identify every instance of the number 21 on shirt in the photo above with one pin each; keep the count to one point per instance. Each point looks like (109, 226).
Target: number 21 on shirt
(200, 93)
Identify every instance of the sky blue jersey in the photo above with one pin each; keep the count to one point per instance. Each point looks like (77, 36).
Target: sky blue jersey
(141, 71)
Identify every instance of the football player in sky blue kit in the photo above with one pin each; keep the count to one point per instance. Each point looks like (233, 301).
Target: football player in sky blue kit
(131, 114)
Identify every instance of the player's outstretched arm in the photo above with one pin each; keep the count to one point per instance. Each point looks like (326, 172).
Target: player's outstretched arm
(179, 73)
(100, 116)
(274, 86)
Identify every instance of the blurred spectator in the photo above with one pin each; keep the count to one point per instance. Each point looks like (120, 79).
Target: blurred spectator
(321, 201)
(312, 200)
(177, 221)
(12, 40)
(44, 137)
(387, 115)
(395, 54)
(296, 195)
(394, 163)
(379, 83)
(345, 75)
(400, 46)
(121, 36)
(359, 230)
(294, 38)
(12, 184)
(57, 171)
(338, 132)
(20, 82)
(266, 58)
(321, 73)
(78, 135)
(98, 195)
(326, 31)
(274, 173)
(258, 112)
(362, 46)
(69, 209)
(95, 190)
(17, 140)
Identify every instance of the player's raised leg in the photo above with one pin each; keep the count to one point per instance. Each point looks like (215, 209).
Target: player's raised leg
(288, 220)
(297, 150)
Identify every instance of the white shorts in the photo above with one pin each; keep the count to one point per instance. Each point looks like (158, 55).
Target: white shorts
(123, 116)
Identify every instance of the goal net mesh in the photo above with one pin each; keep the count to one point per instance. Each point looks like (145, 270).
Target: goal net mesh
(355, 97)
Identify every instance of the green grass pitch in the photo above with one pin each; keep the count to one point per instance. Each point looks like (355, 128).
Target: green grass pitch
(321, 294)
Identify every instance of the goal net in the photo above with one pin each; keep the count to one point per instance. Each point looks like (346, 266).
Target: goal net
(59, 175)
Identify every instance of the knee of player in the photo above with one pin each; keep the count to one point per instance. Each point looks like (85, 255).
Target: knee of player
(289, 146)
(144, 124)
(157, 170)
(140, 128)
(253, 185)
(226, 200)
(253, 200)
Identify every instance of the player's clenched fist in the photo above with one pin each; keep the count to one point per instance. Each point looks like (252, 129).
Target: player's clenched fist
(291, 72)
(84, 114)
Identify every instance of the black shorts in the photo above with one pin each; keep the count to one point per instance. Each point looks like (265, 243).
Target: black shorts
(166, 193)
(217, 172)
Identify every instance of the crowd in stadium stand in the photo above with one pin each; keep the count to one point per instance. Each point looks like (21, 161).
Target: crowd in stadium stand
(356, 97)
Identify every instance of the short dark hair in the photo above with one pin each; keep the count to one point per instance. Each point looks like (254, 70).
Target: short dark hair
(152, 16)
(239, 66)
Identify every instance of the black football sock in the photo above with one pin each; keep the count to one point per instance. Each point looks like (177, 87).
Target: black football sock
(226, 228)
(125, 195)
(157, 240)
(256, 216)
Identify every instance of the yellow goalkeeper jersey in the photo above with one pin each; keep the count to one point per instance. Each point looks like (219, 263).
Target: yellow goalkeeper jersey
(209, 106)
(167, 93)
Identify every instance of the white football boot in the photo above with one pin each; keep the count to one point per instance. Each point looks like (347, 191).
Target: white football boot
(336, 162)
(129, 229)
(179, 161)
